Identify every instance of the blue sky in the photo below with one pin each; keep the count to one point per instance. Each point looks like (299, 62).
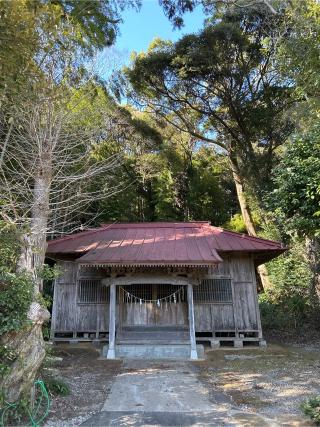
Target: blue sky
(140, 28)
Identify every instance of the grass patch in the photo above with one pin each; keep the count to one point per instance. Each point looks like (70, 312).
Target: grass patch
(56, 386)
(312, 408)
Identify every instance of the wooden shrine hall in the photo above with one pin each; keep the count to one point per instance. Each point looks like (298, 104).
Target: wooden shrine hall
(155, 290)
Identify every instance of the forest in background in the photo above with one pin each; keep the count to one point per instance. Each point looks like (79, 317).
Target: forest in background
(222, 125)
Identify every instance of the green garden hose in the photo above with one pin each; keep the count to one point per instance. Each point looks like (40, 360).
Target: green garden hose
(34, 422)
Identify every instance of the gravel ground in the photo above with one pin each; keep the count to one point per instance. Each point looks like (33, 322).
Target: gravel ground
(271, 382)
(89, 379)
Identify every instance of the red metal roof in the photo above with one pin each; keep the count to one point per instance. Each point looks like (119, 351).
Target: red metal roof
(159, 243)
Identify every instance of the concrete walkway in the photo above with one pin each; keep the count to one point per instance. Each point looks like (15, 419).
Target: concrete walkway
(167, 394)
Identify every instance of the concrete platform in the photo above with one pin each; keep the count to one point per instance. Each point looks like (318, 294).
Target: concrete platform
(154, 351)
(167, 419)
(147, 386)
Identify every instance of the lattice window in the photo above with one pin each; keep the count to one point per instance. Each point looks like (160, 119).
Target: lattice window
(213, 290)
(154, 291)
(164, 290)
(140, 290)
(92, 291)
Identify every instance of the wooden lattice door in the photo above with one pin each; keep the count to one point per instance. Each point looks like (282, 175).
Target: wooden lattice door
(153, 305)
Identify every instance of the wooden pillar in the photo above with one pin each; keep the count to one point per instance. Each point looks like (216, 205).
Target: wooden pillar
(256, 301)
(112, 322)
(193, 355)
(54, 309)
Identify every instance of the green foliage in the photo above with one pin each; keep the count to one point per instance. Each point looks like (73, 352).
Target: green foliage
(211, 190)
(56, 386)
(297, 181)
(298, 55)
(16, 288)
(165, 196)
(49, 273)
(26, 411)
(44, 300)
(290, 272)
(198, 76)
(171, 181)
(16, 295)
(312, 408)
(46, 331)
(9, 246)
(15, 414)
(19, 43)
(94, 21)
(287, 303)
(236, 223)
(7, 357)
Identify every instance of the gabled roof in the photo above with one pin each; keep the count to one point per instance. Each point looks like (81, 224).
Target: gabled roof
(159, 243)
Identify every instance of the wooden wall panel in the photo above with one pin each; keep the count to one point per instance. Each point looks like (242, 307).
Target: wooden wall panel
(222, 317)
(245, 293)
(87, 317)
(242, 269)
(65, 308)
(214, 317)
(202, 317)
(103, 317)
(245, 306)
(69, 270)
(69, 316)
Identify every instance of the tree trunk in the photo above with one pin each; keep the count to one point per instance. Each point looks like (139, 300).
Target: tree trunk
(29, 343)
(247, 218)
(29, 349)
(25, 260)
(312, 246)
(39, 221)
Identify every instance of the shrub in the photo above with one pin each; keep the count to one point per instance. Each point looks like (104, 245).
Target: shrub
(312, 408)
(287, 304)
(56, 386)
(272, 316)
(7, 356)
(16, 295)
(16, 289)
(9, 247)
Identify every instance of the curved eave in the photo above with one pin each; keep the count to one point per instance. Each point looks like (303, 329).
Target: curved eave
(265, 256)
(260, 256)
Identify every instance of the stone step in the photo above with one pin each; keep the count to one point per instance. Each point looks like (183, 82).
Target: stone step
(159, 351)
(155, 328)
(159, 333)
(153, 336)
(152, 342)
